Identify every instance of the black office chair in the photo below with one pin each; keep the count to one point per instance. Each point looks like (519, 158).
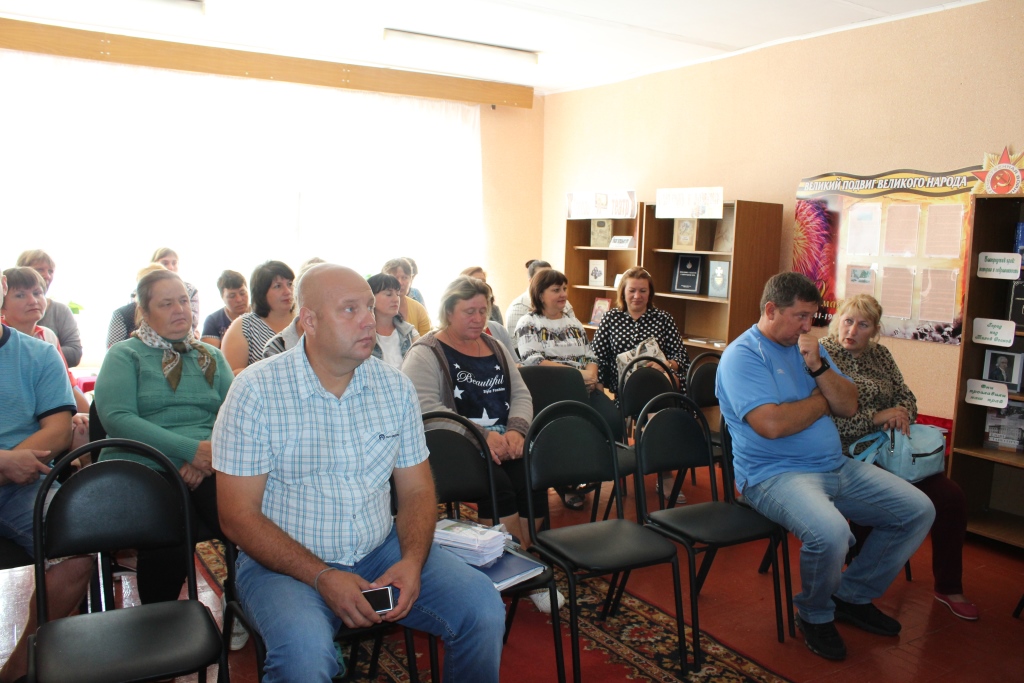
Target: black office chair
(638, 384)
(558, 435)
(463, 471)
(104, 508)
(677, 437)
(13, 555)
(700, 385)
(550, 384)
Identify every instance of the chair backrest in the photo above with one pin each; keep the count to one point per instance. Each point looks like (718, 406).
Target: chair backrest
(550, 384)
(459, 460)
(96, 429)
(569, 443)
(110, 506)
(728, 471)
(672, 434)
(643, 384)
(700, 379)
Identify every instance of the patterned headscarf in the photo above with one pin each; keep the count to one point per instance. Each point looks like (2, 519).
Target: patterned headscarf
(171, 362)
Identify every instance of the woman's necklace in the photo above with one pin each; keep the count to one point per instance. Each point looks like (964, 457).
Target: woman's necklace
(474, 351)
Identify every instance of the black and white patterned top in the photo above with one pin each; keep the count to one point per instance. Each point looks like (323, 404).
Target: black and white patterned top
(257, 333)
(619, 333)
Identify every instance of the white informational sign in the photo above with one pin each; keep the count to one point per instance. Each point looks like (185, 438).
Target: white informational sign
(982, 393)
(622, 242)
(999, 265)
(613, 204)
(689, 202)
(994, 332)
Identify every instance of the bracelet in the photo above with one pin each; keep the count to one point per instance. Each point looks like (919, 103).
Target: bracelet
(317, 579)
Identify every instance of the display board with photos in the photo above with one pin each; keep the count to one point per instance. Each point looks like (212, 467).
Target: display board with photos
(899, 236)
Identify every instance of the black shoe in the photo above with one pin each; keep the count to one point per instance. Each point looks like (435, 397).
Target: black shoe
(573, 501)
(823, 639)
(867, 617)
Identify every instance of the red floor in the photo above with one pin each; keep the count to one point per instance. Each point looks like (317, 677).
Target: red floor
(737, 609)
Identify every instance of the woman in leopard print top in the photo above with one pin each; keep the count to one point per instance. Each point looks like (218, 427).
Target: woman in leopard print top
(885, 402)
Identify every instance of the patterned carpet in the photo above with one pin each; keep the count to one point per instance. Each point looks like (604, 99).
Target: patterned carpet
(639, 640)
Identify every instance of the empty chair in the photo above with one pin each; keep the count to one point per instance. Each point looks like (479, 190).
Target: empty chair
(557, 437)
(104, 508)
(638, 384)
(672, 435)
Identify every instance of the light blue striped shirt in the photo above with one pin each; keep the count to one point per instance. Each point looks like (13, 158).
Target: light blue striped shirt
(328, 459)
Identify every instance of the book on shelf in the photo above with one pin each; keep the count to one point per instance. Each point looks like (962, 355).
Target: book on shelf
(513, 567)
(684, 236)
(687, 276)
(596, 272)
(601, 306)
(718, 279)
(1020, 237)
(1004, 427)
(1015, 309)
(600, 233)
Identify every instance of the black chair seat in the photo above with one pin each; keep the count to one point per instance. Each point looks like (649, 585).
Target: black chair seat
(178, 637)
(610, 545)
(715, 523)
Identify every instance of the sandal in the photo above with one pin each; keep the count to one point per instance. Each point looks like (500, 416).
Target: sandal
(573, 501)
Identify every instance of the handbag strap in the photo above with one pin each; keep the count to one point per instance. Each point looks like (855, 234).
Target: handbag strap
(868, 455)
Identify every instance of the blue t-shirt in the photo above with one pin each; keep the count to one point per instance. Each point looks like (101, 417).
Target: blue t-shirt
(216, 324)
(481, 388)
(33, 385)
(755, 371)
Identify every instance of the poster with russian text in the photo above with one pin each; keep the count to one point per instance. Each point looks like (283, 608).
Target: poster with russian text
(900, 236)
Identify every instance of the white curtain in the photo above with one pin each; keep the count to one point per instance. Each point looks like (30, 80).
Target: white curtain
(101, 164)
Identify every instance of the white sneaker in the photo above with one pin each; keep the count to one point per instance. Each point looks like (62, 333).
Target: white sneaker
(542, 601)
(239, 636)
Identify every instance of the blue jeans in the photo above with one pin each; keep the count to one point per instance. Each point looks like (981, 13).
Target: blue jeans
(456, 602)
(16, 505)
(815, 507)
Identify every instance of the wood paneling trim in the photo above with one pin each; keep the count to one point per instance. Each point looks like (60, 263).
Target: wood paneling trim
(108, 47)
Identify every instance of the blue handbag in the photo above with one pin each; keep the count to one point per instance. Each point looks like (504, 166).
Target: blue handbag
(912, 458)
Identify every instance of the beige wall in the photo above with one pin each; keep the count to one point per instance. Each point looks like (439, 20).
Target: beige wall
(934, 92)
(512, 142)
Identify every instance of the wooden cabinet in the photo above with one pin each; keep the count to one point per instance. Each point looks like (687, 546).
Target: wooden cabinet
(579, 253)
(753, 257)
(992, 479)
(756, 229)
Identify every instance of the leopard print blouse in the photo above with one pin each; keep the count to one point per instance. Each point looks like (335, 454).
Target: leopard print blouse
(879, 383)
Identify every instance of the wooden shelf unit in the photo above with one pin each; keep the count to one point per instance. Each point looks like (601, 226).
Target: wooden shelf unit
(579, 253)
(757, 234)
(992, 479)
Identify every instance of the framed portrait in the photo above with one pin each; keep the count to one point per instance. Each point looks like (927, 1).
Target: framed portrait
(1004, 367)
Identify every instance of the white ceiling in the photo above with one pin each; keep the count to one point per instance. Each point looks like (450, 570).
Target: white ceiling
(581, 43)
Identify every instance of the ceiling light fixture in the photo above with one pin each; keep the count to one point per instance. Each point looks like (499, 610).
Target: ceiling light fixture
(441, 46)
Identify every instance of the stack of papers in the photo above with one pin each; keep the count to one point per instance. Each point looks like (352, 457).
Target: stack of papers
(474, 543)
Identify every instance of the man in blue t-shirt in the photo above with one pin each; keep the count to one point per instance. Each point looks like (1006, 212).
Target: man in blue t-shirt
(777, 391)
(36, 404)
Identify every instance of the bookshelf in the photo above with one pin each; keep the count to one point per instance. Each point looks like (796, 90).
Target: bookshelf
(579, 253)
(992, 479)
(753, 257)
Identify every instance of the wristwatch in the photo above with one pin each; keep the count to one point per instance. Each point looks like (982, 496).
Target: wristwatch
(820, 371)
